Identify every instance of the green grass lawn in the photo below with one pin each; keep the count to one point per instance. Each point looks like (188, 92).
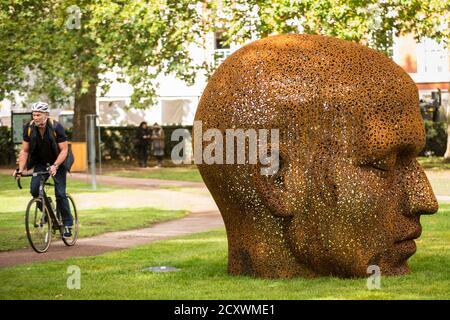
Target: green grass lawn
(202, 260)
(8, 186)
(440, 181)
(13, 199)
(191, 173)
(92, 222)
(188, 173)
(434, 163)
(13, 202)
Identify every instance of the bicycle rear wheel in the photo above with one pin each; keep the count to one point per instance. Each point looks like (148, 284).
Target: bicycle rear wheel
(70, 241)
(38, 225)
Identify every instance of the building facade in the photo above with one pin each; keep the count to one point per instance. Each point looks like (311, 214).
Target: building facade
(427, 62)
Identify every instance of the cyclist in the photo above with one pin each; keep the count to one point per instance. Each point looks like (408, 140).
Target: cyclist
(45, 142)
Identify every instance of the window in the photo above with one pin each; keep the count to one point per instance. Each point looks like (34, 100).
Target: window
(219, 41)
(221, 50)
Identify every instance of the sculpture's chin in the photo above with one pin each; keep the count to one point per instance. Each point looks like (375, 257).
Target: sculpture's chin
(396, 263)
(396, 271)
(405, 249)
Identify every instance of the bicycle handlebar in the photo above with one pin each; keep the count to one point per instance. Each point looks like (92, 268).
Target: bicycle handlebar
(34, 174)
(18, 183)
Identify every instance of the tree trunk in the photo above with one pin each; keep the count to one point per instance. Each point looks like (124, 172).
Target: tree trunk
(85, 103)
(447, 153)
(446, 109)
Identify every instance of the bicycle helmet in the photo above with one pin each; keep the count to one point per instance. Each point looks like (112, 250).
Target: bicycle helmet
(40, 107)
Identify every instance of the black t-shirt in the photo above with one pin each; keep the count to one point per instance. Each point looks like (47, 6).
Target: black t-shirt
(141, 141)
(43, 153)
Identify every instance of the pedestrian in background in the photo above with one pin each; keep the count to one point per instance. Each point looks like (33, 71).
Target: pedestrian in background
(142, 143)
(158, 143)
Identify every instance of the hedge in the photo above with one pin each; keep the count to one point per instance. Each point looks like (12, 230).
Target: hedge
(436, 134)
(6, 147)
(118, 142)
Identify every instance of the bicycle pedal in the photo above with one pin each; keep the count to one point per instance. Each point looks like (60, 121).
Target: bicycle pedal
(67, 233)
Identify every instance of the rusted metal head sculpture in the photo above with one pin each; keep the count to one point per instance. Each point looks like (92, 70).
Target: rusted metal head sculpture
(348, 192)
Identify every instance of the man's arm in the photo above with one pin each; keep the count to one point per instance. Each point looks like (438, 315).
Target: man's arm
(23, 155)
(63, 150)
(63, 147)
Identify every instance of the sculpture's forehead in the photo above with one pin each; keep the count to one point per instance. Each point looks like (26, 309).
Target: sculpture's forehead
(308, 68)
(318, 53)
(308, 65)
(394, 130)
(294, 81)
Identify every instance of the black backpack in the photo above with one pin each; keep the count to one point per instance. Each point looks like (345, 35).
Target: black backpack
(70, 159)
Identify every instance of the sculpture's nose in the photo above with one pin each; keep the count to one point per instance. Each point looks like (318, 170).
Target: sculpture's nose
(421, 198)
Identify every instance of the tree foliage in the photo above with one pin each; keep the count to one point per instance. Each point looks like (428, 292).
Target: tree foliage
(372, 22)
(63, 41)
(64, 48)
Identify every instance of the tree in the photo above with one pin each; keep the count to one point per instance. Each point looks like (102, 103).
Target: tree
(63, 47)
(372, 22)
(66, 46)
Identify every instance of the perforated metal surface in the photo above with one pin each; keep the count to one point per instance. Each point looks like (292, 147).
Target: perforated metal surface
(349, 192)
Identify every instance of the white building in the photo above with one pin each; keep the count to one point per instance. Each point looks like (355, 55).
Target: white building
(177, 102)
(427, 62)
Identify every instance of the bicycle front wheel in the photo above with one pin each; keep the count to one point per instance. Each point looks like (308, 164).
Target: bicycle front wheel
(70, 241)
(38, 225)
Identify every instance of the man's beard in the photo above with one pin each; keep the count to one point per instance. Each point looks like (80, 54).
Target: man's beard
(42, 124)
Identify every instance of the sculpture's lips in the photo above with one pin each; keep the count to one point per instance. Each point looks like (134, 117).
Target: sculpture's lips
(410, 236)
(405, 247)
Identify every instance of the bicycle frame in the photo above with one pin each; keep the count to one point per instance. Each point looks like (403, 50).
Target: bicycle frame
(47, 219)
(56, 221)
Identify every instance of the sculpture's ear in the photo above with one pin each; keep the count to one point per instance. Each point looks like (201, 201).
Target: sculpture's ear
(279, 189)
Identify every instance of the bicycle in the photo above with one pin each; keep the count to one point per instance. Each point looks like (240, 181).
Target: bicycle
(42, 219)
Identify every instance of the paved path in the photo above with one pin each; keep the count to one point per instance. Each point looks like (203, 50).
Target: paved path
(443, 198)
(136, 182)
(190, 196)
(195, 222)
(184, 199)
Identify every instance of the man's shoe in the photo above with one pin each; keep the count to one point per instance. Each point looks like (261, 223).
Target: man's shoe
(67, 232)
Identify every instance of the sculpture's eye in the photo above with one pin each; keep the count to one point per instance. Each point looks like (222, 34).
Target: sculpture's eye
(384, 164)
(379, 166)
(278, 178)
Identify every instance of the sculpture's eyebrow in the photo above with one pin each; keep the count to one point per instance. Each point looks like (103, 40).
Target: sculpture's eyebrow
(409, 149)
